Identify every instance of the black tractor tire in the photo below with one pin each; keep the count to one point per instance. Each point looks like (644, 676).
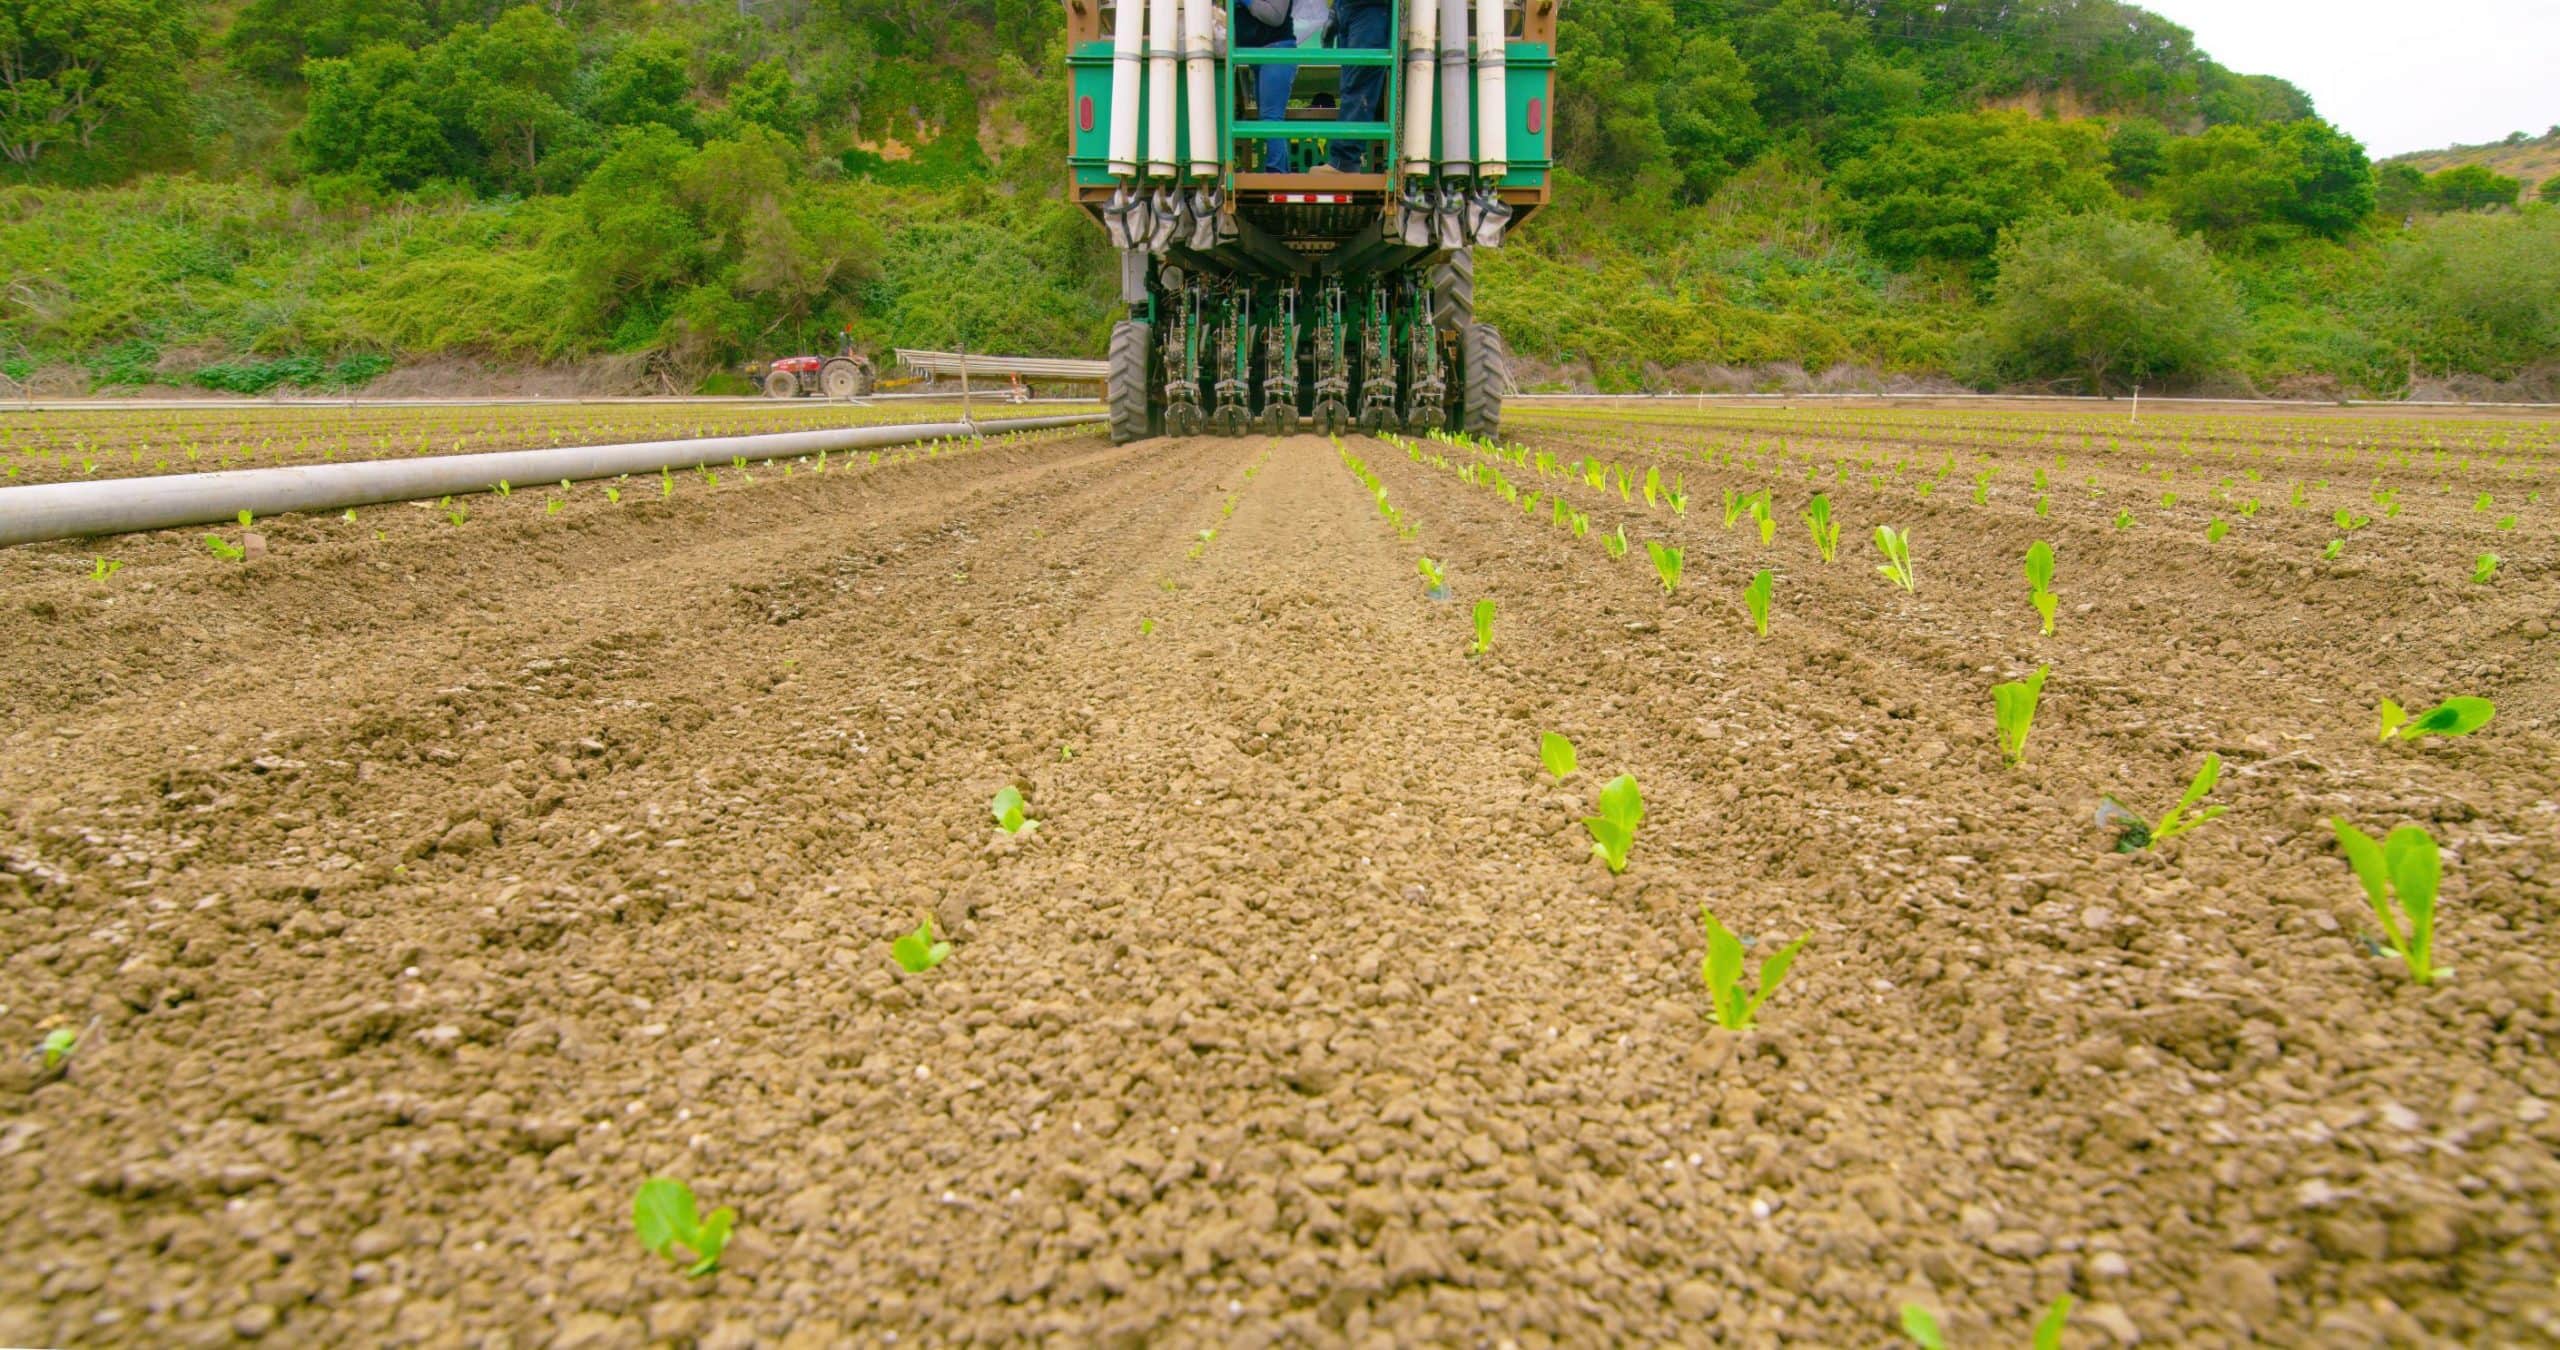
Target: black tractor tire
(1133, 346)
(1487, 366)
(1453, 292)
(781, 384)
(847, 379)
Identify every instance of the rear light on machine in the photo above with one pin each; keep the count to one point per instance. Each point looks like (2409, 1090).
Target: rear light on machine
(1312, 198)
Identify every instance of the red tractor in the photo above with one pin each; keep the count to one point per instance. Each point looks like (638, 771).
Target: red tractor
(847, 374)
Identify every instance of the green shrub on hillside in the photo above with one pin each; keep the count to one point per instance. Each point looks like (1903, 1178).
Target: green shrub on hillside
(2109, 300)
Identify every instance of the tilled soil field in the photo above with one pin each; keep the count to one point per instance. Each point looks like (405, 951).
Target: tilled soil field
(418, 891)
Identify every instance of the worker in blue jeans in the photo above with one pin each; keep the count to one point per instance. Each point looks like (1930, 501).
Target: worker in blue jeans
(1280, 23)
(1360, 25)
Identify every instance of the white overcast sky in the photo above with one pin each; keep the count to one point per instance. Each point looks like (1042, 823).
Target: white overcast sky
(2396, 74)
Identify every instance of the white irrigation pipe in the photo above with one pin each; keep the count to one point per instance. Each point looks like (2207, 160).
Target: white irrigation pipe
(46, 511)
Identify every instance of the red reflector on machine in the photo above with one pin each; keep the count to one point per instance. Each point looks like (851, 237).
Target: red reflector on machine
(1537, 116)
(1084, 115)
(1312, 198)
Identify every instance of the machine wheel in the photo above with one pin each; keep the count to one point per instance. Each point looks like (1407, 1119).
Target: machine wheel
(1133, 348)
(846, 379)
(1488, 374)
(1453, 292)
(781, 384)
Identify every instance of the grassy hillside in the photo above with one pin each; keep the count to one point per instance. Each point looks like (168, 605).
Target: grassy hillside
(1756, 193)
(2530, 160)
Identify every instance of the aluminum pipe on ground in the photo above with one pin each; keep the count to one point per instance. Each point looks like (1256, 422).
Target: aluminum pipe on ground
(126, 505)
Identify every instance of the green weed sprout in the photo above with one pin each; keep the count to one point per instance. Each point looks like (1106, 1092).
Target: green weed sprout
(1615, 542)
(1921, 1326)
(917, 952)
(56, 1047)
(1896, 547)
(663, 1212)
(2014, 707)
(102, 568)
(2453, 717)
(2485, 570)
(1735, 1006)
(1826, 532)
(2402, 871)
(224, 549)
(1755, 597)
(2213, 533)
(1433, 579)
(1613, 831)
(1666, 564)
(1556, 753)
(1008, 810)
(1484, 628)
(2040, 580)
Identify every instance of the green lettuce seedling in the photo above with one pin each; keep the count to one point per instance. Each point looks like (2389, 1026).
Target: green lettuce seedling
(1615, 542)
(224, 549)
(2453, 717)
(2014, 706)
(663, 1212)
(2040, 580)
(57, 1047)
(1921, 1326)
(2124, 520)
(1666, 564)
(1484, 628)
(102, 568)
(2137, 834)
(2485, 570)
(1008, 810)
(1826, 533)
(1433, 579)
(1763, 515)
(1556, 753)
(2336, 547)
(1734, 505)
(1734, 1005)
(2402, 871)
(1896, 547)
(1755, 597)
(2214, 533)
(917, 952)
(1613, 831)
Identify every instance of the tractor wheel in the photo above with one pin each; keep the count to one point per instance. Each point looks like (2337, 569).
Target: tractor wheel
(846, 379)
(1453, 292)
(1487, 366)
(781, 384)
(1133, 346)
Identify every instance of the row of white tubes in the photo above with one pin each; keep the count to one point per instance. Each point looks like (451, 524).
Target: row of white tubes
(1154, 37)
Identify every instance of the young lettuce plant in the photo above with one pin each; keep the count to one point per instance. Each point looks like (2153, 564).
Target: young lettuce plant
(1922, 1327)
(2040, 582)
(1434, 581)
(1666, 564)
(224, 549)
(1762, 515)
(917, 952)
(1484, 628)
(1755, 597)
(1008, 809)
(1896, 547)
(2453, 717)
(2485, 570)
(1826, 532)
(2135, 834)
(663, 1211)
(1734, 1005)
(2014, 707)
(2401, 873)
(1614, 543)
(1556, 753)
(1613, 831)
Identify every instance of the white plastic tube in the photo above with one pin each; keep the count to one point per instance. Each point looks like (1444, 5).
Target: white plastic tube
(1493, 94)
(1128, 84)
(1457, 139)
(1421, 57)
(1163, 23)
(1200, 54)
(104, 506)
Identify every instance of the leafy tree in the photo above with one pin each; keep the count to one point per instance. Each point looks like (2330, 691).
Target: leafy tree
(2550, 189)
(1644, 97)
(2484, 290)
(89, 86)
(272, 38)
(1798, 51)
(2136, 152)
(2329, 188)
(375, 118)
(1945, 187)
(2234, 179)
(510, 74)
(478, 105)
(765, 97)
(643, 83)
(2471, 187)
(2108, 300)
(2400, 189)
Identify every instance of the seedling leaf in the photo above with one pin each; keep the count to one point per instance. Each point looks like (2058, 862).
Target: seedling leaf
(2048, 1332)
(2453, 717)
(1613, 831)
(663, 1212)
(1921, 1326)
(1557, 754)
(1008, 810)
(917, 952)
(2014, 707)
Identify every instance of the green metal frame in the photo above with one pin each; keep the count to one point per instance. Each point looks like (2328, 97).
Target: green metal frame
(1337, 58)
